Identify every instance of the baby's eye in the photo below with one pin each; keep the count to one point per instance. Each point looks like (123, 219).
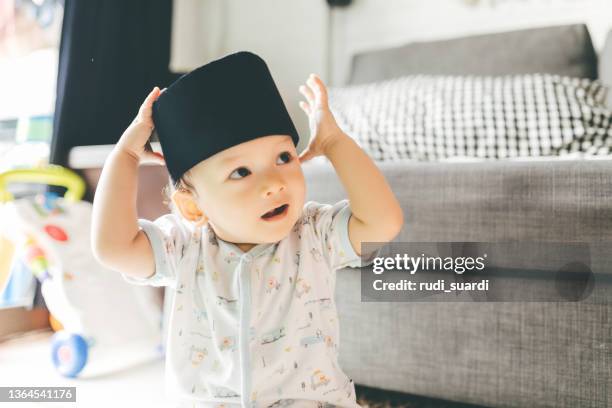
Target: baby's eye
(286, 157)
(242, 171)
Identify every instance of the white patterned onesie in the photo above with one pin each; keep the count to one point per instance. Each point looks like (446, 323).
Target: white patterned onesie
(254, 329)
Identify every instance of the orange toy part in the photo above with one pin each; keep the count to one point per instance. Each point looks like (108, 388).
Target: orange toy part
(55, 324)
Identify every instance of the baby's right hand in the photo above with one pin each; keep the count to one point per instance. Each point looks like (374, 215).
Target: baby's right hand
(135, 138)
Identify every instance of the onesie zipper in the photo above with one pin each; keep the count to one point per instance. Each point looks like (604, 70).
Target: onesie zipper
(245, 319)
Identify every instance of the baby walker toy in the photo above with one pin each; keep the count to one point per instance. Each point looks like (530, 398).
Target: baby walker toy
(101, 322)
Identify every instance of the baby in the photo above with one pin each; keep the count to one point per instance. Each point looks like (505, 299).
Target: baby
(253, 321)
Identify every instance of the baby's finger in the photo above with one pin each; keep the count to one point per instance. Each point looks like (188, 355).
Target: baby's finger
(308, 94)
(321, 87)
(305, 155)
(146, 108)
(152, 158)
(314, 87)
(151, 97)
(305, 107)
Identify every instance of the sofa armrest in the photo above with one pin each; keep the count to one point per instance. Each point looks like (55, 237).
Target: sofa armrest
(491, 201)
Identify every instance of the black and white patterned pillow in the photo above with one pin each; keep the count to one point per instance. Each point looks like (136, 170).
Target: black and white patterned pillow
(422, 117)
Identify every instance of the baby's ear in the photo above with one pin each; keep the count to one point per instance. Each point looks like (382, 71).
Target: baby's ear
(188, 207)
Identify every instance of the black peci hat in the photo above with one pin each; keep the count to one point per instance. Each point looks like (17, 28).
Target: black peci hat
(221, 104)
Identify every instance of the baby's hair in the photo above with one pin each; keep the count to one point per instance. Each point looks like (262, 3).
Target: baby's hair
(182, 184)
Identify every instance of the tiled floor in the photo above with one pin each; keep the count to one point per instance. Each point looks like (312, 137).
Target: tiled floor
(26, 361)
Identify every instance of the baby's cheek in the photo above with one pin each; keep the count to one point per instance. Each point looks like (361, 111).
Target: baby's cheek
(241, 217)
(226, 205)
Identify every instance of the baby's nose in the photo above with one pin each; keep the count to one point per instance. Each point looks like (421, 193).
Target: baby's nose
(274, 186)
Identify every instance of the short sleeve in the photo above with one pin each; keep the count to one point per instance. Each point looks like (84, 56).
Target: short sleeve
(330, 223)
(169, 238)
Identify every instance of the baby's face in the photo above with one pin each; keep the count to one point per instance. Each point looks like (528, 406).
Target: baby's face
(237, 186)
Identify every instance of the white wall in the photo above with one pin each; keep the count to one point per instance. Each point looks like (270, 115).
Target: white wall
(292, 35)
(373, 24)
(289, 34)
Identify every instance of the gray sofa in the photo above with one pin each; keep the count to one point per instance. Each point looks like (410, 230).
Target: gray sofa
(510, 354)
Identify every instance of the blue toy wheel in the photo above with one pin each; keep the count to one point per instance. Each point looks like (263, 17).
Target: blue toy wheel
(49, 199)
(68, 353)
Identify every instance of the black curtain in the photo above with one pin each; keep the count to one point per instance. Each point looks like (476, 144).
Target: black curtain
(112, 53)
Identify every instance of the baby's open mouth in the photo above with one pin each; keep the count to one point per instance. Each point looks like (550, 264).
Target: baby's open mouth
(278, 211)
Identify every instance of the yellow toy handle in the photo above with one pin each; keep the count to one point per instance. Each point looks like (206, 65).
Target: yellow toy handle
(51, 174)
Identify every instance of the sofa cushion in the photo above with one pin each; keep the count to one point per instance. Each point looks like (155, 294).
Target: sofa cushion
(425, 117)
(564, 50)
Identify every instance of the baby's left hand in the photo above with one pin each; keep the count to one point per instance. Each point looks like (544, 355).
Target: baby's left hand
(323, 127)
